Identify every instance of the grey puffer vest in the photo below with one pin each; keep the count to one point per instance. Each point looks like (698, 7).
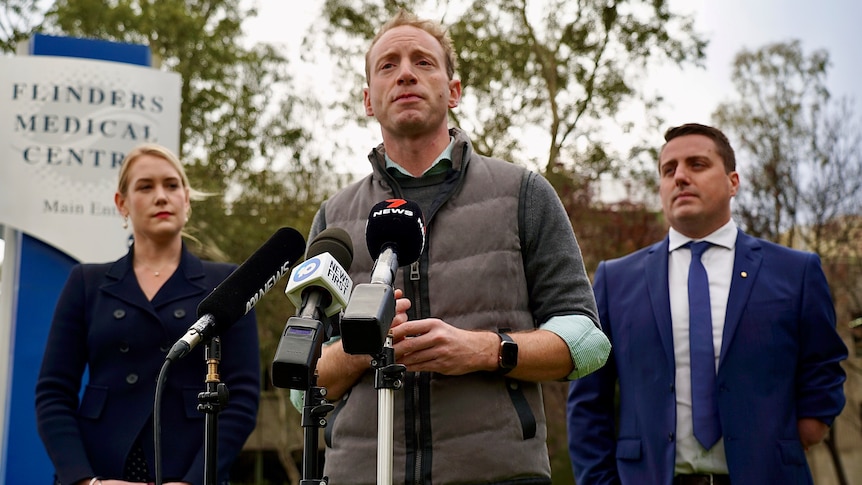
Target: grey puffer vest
(476, 428)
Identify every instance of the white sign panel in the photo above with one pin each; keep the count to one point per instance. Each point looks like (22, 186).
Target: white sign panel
(65, 125)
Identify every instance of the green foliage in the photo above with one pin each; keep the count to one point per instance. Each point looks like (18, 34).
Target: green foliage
(19, 19)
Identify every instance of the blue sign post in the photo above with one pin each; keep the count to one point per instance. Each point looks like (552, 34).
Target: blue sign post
(41, 270)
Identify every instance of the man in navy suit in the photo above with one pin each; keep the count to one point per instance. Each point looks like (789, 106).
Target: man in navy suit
(774, 383)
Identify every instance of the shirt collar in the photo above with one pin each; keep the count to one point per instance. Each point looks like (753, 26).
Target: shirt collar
(441, 164)
(725, 236)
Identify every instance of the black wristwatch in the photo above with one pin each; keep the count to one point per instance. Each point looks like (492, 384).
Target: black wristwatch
(508, 358)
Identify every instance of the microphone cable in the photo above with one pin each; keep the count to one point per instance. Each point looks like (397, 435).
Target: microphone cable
(157, 418)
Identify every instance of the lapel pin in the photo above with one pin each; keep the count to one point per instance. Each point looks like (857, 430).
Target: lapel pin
(744, 274)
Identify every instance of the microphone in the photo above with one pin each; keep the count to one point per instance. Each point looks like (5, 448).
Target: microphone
(395, 235)
(242, 289)
(318, 285)
(321, 281)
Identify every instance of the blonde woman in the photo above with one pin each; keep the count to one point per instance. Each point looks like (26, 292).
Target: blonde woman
(117, 321)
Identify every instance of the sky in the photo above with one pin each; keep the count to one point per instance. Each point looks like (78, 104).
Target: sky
(690, 95)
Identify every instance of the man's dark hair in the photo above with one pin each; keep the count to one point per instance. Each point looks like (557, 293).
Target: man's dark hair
(722, 145)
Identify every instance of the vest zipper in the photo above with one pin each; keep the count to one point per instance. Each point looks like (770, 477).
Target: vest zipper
(418, 477)
(417, 466)
(414, 281)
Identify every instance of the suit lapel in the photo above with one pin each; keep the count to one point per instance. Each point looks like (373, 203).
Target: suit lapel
(655, 268)
(122, 285)
(188, 281)
(746, 264)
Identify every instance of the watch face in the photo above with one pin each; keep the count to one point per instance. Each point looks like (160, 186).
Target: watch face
(508, 355)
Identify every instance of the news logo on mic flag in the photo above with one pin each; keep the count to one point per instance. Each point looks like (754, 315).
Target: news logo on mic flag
(322, 271)
(398, 224)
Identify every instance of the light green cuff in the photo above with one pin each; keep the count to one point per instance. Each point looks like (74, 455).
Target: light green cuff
(588, 345)
(297, 398)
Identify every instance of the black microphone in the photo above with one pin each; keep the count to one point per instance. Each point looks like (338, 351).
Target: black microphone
(242, 289)
(395, 235)
(320, 285)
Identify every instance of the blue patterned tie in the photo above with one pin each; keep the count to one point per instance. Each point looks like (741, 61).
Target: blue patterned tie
(704, 401)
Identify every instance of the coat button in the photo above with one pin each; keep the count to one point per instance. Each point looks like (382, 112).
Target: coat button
(670, 436)
(132, 378)
(179, 313)
(119, 313)
(124, 347)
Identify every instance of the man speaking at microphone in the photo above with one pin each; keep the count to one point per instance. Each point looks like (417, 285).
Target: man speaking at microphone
(498, 301)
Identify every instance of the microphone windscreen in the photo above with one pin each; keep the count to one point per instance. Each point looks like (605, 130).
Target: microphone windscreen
(335, 241)
(243, 288)
(399, 224)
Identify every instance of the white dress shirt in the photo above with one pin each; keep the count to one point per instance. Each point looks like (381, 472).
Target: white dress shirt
(691, 457)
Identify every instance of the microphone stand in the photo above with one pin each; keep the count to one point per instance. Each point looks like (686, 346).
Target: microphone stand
(211, 403)
(314, 411)
(315, 407)
(388, 377)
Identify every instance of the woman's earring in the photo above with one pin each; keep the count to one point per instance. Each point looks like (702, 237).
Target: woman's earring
(125, 222)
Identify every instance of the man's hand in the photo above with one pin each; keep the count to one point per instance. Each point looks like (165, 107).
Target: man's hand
(811, 431)
(433, 345)
(338, 371)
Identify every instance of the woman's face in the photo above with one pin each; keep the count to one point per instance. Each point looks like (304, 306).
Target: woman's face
(156, 201)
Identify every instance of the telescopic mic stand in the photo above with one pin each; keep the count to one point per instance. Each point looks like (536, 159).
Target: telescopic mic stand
(294, 367)
(388, 377)
(211, 402)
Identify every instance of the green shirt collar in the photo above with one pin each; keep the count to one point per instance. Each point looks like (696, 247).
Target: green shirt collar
(440, 165)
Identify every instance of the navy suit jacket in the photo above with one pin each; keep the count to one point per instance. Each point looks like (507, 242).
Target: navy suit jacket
(780, 361)
(104, 323)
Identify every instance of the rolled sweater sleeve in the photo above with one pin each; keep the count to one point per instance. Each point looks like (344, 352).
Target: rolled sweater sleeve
(561, 296)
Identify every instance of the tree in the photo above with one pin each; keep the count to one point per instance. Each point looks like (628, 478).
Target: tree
(799, 150)
(18, 21)
(241, 135)
(554, 72)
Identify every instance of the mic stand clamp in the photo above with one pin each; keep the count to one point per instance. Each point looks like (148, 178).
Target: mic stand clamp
(314, 411)
(387, 374)
(388, 377)
(211, 402)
